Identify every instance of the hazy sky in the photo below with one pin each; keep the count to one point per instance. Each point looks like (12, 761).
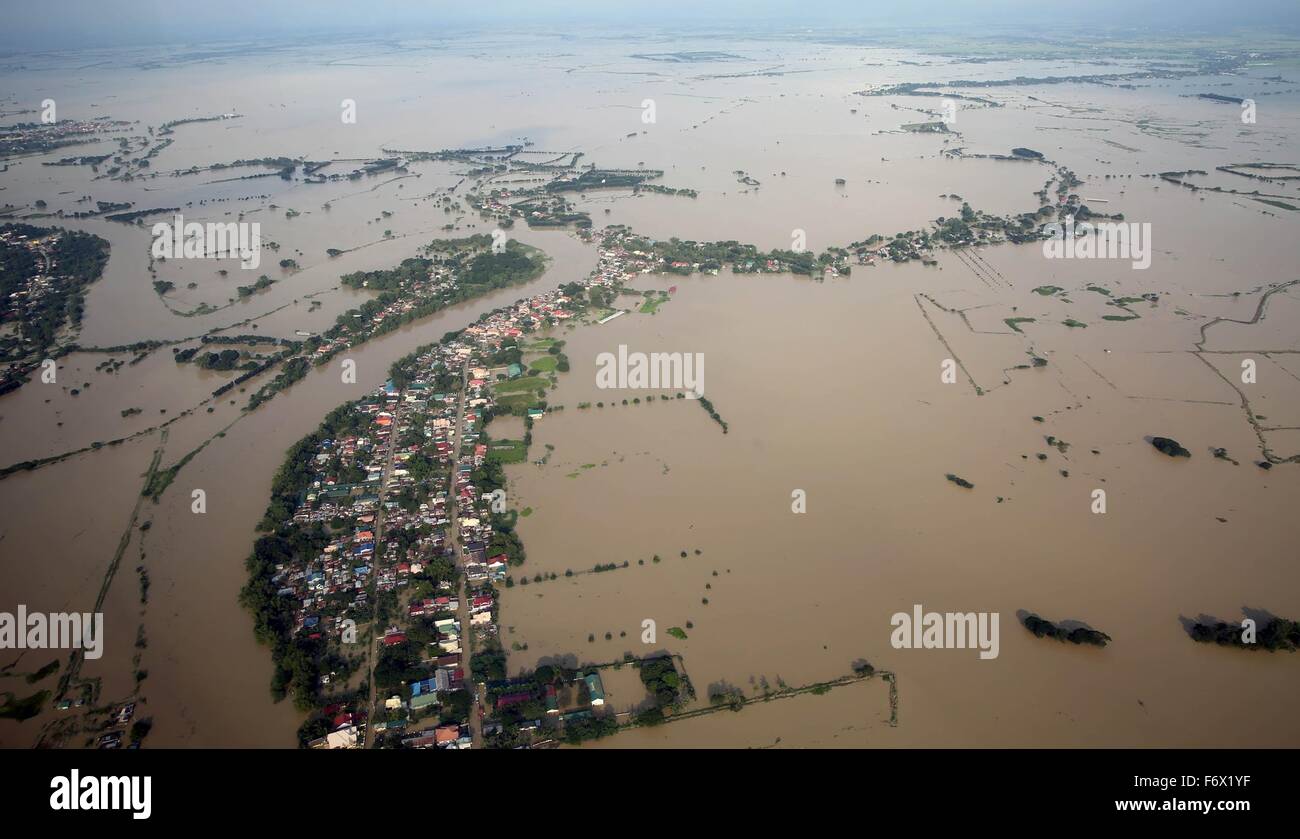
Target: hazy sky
(66, 24)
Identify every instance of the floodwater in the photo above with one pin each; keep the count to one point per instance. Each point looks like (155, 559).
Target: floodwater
(832, 388)
(862, 424)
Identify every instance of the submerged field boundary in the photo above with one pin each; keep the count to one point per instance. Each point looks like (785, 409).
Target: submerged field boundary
(70, 680)
(917, 297)
(816, 688)
(1261, 309)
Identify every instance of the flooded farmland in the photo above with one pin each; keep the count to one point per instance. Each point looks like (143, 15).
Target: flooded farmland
(832, 385)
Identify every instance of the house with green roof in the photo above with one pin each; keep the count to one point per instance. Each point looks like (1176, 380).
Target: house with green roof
(595, 689)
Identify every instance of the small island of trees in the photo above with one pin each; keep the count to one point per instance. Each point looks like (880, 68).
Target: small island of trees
(1277, 634)
(1080, 635)
(1170, 446)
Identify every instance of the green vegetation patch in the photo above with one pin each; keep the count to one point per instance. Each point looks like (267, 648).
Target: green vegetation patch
(1170, 446)
(22, 709)
(1014, 323)
(33, 678)
(516, 403)
(653, 303)
(79, 259)
(1278, 634)
(1058, 444)
(526, 383)
(1079, 635)
(507, 451)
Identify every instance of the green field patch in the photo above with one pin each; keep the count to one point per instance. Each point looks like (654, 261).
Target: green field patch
(1048, 290)
(545, 364)
(650, 305)
(1120, 317)
(519, 400)
(1014, 323)
(1074, 324)
(507, 451)
(526, 383)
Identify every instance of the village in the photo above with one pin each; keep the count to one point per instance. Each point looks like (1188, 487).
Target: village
(402, 537)
(43, 276)
(449, 272)
(51, 134)
(413, 531)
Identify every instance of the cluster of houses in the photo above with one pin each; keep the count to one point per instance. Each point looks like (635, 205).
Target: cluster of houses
(35, 292)
(399, 493)
(346, 728)
(343, 498)
(40, 283)
(458, 453)
(898, 249)
(481, 567)
(26, 137)
(621, 261)
(531, 707)
(386, 518)
(493, 203)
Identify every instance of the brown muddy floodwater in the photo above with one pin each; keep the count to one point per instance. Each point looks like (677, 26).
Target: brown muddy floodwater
(830, 388)
(206, 674)
(834, 389)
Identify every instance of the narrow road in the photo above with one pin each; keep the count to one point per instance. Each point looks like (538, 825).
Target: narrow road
(463, 613)
(375, 629)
